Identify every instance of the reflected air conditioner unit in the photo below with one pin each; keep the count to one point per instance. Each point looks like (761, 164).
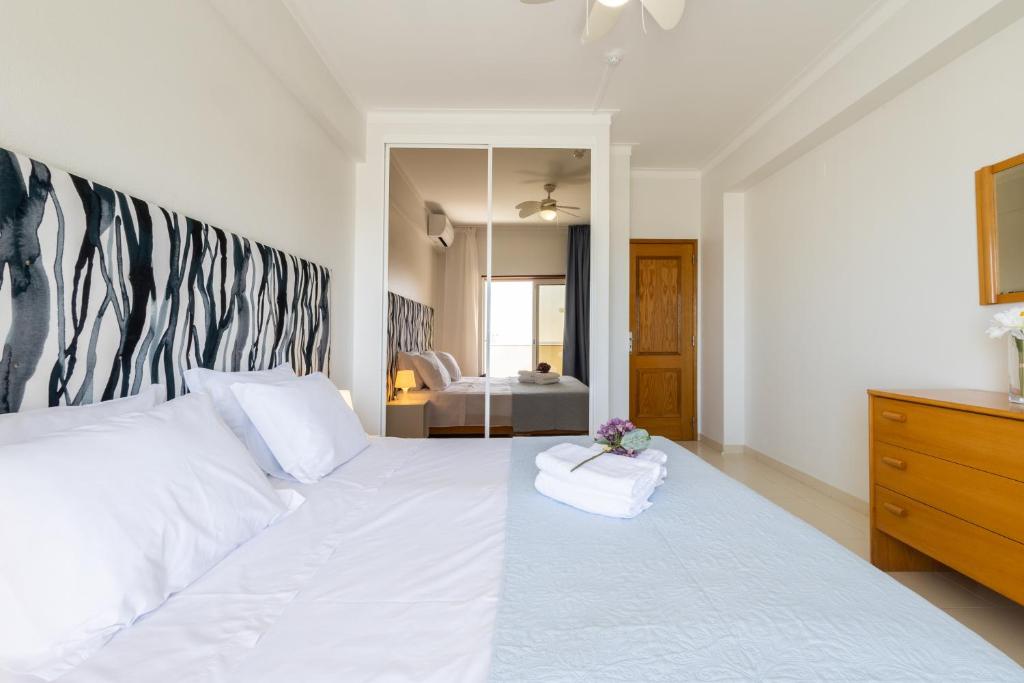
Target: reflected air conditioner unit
(440, 230)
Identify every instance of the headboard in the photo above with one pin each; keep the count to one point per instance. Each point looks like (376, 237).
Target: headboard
(410, 328)
(102, 293)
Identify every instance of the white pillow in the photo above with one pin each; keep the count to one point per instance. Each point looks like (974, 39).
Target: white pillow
(217, 385)
(450, 364)
(430, 369)
(30, 424)
(102, 523)
(307, 424)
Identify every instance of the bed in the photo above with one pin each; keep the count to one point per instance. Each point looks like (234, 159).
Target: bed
(516, 408)
(434, 560)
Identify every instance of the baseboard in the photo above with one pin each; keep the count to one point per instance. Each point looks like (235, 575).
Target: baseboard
(832, 492)
(711, 443)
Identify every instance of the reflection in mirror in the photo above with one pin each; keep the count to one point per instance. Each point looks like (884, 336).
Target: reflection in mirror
(437, 216)
(999, 189)
(1009, 195)
(540, 289)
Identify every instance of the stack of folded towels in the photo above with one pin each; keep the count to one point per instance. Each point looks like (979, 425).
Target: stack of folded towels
(611, 485)
(536, 377)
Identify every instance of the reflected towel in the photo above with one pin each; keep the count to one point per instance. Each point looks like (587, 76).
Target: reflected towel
(592, 501)
(609, 473)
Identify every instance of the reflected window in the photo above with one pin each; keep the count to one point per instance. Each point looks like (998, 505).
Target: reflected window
(527, 325)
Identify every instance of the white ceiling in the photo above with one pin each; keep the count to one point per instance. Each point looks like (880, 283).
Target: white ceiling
(454, 181)
(681, 95)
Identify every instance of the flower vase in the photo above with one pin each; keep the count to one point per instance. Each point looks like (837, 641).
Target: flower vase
(1016, 369)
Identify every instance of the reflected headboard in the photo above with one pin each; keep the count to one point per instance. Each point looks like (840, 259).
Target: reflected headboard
(410, 328)
(102, 293)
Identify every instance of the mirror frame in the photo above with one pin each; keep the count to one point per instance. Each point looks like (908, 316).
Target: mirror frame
(988, 233)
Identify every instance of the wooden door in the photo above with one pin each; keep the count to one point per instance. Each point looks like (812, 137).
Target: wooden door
(663, 328)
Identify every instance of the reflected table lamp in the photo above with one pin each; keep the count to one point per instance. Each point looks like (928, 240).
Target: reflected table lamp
(405, 380)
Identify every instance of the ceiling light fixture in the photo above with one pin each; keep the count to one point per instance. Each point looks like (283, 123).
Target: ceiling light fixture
(613, 3)
(548, 214)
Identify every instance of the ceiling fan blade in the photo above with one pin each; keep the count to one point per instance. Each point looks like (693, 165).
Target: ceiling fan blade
(602, 21)
(574, 215)
(528, 208)
(666, 12)
(560, 206)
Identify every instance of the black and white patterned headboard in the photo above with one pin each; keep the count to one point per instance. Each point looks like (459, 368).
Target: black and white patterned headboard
(102, 293)
(410, 328)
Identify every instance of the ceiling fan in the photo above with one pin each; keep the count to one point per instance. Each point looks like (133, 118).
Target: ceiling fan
(547, 208)
(602, 14)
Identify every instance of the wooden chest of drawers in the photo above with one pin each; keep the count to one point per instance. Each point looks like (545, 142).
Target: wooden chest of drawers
(947, 485)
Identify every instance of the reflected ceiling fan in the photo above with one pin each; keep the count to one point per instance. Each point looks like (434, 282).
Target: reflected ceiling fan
(603, 14)
(547, 208)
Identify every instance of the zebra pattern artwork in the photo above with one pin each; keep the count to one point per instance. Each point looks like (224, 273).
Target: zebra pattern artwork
(410, 328)
(102, 293)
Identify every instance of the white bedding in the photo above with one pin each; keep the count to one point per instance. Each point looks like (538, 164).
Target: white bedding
(390, 571)
(462, 403)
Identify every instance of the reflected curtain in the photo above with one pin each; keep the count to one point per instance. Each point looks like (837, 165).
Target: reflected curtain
(576, 344)
(460, 331)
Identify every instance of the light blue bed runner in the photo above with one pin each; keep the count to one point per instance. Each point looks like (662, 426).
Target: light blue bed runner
(712, 583)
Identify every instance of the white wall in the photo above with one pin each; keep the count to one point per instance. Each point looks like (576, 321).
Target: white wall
(899, 43)
(415, 265)
(164, 101)
(664, 204)
(526, 250)
(861, 267)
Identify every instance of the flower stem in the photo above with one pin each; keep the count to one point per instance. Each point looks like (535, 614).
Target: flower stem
(1019, 343)
(593, 457)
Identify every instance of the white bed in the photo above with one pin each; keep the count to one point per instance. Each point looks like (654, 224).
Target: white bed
(392, 571)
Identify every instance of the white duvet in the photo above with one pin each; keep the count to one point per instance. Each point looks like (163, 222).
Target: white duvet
(391, 571)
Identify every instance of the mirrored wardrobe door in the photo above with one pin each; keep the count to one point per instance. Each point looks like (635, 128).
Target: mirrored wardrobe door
(540, 292)
(437, 216)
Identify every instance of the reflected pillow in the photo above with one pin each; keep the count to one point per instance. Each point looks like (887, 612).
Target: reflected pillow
(305, 422)
(450, 364)
(217, 385)
(31, 424)
(429, 368)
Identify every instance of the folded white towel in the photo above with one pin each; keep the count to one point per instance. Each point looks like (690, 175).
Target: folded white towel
(588, 500)
(610, 473)
(655, 456)
(526, 376)
(546, 378)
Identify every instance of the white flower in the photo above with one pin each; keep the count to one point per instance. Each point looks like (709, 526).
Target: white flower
(1010, 321)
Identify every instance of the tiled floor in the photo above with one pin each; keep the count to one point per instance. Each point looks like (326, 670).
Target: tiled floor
(992, 616)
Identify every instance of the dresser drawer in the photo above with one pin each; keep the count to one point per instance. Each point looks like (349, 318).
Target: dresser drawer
(988, 500)
(988, 443)
(985, 556)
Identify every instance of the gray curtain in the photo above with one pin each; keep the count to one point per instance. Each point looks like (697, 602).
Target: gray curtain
(576, 349)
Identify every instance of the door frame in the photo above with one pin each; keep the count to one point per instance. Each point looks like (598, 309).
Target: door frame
(695, 317)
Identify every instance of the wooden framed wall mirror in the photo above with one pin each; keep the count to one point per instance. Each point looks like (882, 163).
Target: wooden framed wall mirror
(1000, 197)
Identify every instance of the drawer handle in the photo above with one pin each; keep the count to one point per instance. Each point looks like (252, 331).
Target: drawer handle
(895, 509)
(894, 463)
(895, 417)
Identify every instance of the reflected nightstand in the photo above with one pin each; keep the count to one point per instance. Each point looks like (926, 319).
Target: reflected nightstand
(407, 416)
